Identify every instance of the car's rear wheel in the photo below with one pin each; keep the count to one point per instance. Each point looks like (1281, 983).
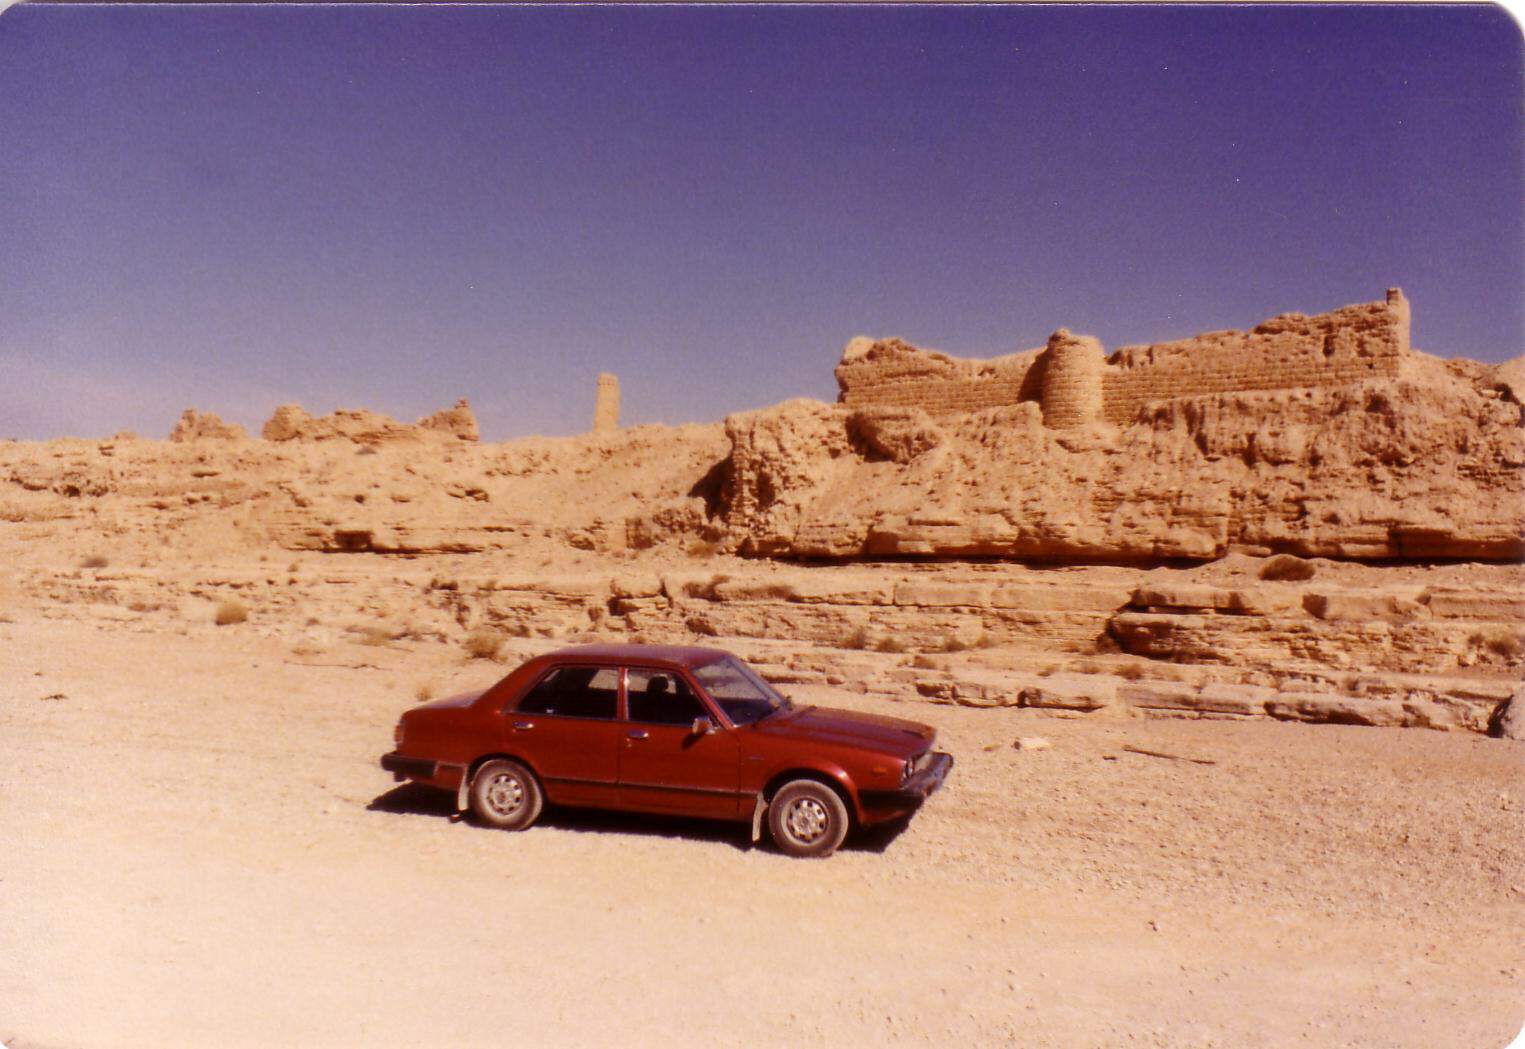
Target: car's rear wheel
(506, 795)
(807, 818)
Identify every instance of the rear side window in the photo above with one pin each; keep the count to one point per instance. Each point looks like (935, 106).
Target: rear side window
(575, 692)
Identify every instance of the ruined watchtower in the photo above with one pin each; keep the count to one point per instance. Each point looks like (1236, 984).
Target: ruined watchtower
(606, 406)
(1072, 369)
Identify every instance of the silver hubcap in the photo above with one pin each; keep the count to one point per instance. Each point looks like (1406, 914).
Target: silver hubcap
(806, 820)
(505, 794)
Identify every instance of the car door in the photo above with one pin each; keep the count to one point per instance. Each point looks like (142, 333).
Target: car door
(567, 727)
(664, 766)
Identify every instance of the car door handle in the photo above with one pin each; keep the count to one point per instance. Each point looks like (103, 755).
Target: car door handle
(523, 726)
(639, 733)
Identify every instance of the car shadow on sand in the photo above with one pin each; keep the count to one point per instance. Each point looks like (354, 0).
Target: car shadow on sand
(413, 800)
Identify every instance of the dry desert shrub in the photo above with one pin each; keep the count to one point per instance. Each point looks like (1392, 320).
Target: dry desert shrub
(703, 549)
(1501, 641)
(706, 591)
(1284, 568)
(370, 634)
(94, 561)
(483, 643)
(230, 612)
(890, 643)
(424, 692)
(857, 639)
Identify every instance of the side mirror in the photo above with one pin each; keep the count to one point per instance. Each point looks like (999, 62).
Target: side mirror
(702, 727)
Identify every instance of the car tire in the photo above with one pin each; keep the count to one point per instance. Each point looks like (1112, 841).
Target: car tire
(807, 818)
(506, 795)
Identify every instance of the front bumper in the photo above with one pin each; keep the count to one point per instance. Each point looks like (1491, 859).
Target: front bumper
(913, 791)
(402, 767)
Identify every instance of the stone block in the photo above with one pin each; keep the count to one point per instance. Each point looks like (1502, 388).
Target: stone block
(1337, 709)
(1070, 692)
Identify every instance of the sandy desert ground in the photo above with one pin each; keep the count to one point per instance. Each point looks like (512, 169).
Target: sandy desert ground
(200, 850)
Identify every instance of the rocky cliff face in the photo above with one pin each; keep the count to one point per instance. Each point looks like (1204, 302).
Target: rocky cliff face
(1008, 542)
(1425, 466)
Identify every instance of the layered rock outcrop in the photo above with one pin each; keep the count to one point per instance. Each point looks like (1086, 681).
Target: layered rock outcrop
(997, 539)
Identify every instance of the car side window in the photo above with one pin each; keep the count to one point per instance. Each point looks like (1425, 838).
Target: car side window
(574, 692)
(659, 698)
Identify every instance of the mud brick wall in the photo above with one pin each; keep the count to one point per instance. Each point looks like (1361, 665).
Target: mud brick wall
(894, 374)
(1347, 345)
(1293, 350)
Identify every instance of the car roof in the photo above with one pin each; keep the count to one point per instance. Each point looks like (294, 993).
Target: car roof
(660, 655)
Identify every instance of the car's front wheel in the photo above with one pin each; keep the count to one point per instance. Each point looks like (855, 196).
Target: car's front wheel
(506, 795)
(807, 818)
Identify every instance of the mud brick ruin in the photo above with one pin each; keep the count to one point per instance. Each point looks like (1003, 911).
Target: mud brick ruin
(1075, 384)
(606, 404)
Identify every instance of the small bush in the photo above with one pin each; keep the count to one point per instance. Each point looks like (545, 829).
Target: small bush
(954, 643)
(230, 612)
(890, 643)
(857, 639)
(371, 634)
(1510, 646)
(94, 561)
(703, 549)
(424, 692)
(1285, 568)
(484, 643)
(1500, 641)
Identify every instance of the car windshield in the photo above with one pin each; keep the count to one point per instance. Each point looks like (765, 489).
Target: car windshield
(743, 695)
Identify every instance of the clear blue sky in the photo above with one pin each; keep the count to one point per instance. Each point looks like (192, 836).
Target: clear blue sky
(233, 207)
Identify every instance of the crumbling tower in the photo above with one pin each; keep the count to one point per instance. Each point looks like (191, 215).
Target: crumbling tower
(606, 406)
(1398, 310)
(1071, 392)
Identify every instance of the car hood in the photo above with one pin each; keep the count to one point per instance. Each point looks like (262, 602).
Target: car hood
(873, 731)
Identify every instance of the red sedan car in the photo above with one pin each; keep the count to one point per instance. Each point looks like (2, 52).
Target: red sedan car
(689, 731)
